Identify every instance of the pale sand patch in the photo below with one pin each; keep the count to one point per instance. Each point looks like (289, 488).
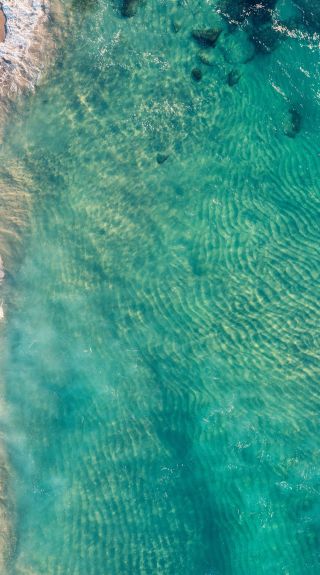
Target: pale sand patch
(2, 25)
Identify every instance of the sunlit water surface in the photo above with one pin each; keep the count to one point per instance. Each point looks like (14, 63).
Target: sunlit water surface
(162, 362)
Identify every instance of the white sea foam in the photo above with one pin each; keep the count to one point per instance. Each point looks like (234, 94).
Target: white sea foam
(21, 56)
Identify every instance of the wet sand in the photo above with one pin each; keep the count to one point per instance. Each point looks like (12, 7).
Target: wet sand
(23, 53)
(2, 25)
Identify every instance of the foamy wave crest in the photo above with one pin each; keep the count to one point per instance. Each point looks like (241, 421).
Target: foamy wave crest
(21, 55)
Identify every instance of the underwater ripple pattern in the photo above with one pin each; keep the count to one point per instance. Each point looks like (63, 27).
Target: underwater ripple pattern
(165, 345)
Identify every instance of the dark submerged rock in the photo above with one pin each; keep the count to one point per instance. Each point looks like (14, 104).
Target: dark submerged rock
(176, 26)
(262, 11)
(237, 48)
(206, 58)
(264, 39)
(237, 11)
(196, 74)
(233, 77)
(129, 8)
(255, 18)
(161, 157)
(206, 36)
(295, 123)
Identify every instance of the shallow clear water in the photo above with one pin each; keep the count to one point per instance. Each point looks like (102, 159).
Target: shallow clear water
(163, 329)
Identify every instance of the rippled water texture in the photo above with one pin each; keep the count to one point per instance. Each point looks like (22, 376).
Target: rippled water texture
(163, 331)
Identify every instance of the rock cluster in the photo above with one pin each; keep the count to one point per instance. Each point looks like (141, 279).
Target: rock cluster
(196, 74)
(294, 123)
(129, 8)
(161, 157)
(233, 77)
(255, 18)
(242, 10)
(206, 36)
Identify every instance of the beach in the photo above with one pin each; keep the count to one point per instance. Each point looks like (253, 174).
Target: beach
(22, 53)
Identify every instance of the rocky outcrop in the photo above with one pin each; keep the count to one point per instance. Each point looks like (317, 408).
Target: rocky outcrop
(129, 8)
(196, 74)
(238, 12)
(206, 58)
(162, 158)
(233, 77)
(255, 18)
(206, 36)
(294, 126)
(264, 38)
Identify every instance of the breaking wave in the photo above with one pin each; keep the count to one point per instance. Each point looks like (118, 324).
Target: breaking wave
(21, 55)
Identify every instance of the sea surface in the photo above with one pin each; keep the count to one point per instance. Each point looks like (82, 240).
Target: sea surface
(161, 332)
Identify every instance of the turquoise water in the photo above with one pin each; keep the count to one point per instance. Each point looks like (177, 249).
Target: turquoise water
(162, 333)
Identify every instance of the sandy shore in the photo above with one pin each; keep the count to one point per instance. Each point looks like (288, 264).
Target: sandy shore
(22, 37)
(2, 25)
